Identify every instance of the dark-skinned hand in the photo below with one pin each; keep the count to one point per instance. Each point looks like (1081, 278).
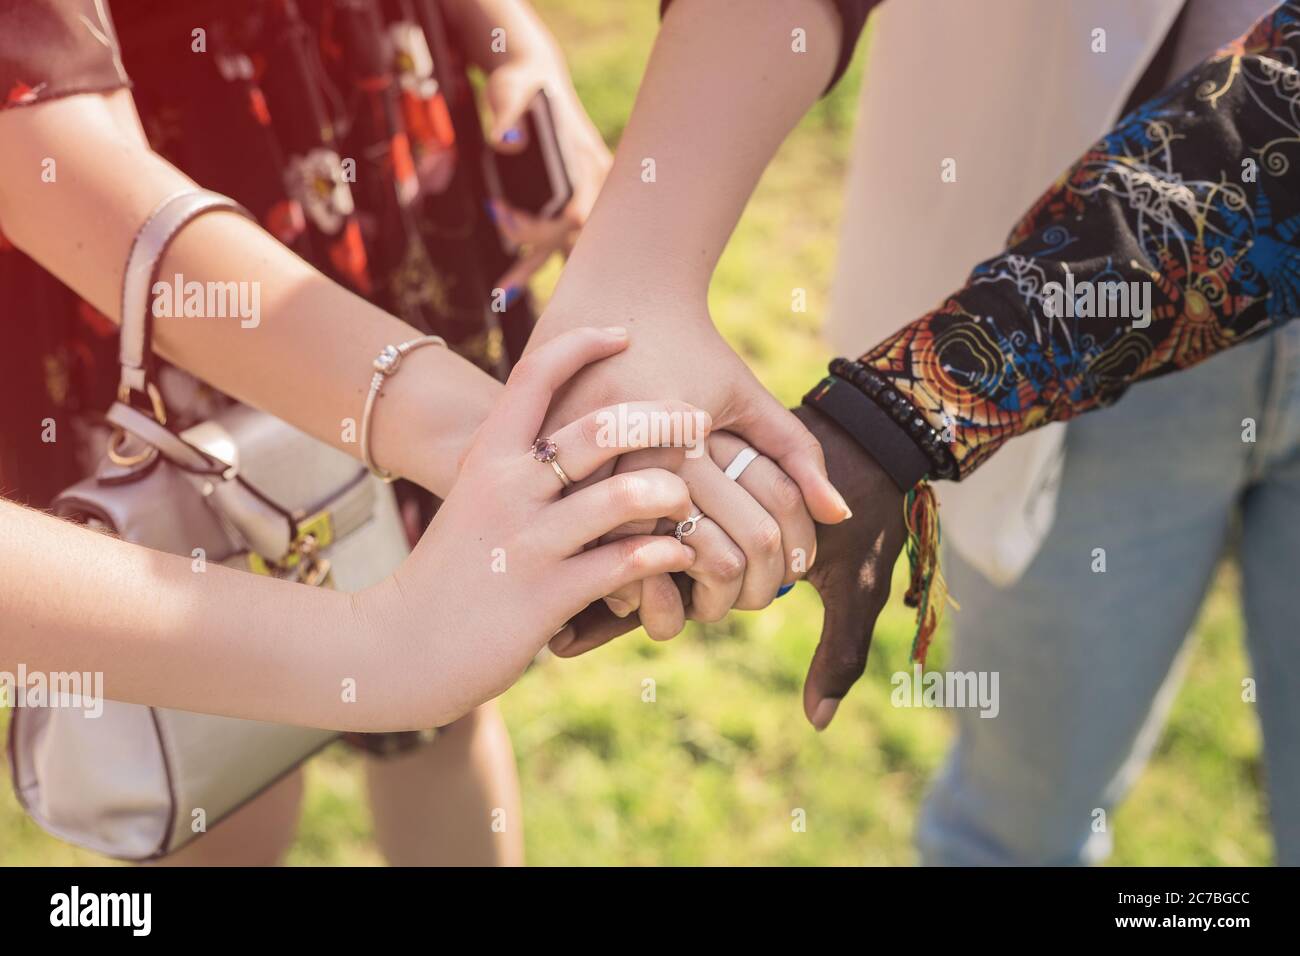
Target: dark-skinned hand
(855, 560)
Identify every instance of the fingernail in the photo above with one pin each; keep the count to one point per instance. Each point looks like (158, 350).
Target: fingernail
(512, 135)
(620, 608)
(491, 209)
(690, 553)
(784, 590)
(512, 295)
(824, 712)
(844, 505)
(615, 330)
(561, 641)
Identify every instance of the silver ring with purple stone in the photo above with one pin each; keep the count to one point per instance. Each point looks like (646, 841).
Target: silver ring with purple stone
(687, 528)
(545, 451)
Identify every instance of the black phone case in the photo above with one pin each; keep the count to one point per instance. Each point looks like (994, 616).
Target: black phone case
(534, 179)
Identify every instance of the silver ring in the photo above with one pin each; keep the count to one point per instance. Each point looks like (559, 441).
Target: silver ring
(744, 458)
(545, 451)
(687, 528)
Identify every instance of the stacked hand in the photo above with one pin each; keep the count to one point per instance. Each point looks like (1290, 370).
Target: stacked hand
(757, 533)
(519, 567)
(854, 560)
(854, 563)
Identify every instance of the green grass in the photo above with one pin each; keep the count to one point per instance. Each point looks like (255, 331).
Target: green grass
(712, 770)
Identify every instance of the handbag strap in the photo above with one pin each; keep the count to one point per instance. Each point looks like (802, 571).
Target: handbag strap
(135, 353)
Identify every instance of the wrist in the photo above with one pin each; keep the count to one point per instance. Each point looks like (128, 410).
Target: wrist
(427, 416)
(609, 292)
(637, 249)
(425, 680)
(871, 428)
(854, 472)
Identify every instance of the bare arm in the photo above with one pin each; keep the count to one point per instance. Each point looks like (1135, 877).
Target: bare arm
(726, 82)
(523, 34)
(164, 635)
(307, 361)
(444, 633)
(722, 89)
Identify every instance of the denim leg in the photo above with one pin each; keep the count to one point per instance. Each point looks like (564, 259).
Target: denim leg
(1086, 660)
(1270, 572)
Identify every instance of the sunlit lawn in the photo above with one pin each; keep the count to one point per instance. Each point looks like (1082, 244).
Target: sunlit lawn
(713, 769)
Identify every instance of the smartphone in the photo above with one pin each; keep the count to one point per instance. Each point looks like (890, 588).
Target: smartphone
(533, 179)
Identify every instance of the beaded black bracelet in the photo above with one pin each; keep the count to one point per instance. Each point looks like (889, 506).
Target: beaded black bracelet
(876, 387)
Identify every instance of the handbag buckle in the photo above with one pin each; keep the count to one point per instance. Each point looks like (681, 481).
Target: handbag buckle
(311, 569)
(155, 399)
(117, 439)
(304, 563)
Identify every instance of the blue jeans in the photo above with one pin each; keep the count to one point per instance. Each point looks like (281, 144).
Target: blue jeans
(1088, 661)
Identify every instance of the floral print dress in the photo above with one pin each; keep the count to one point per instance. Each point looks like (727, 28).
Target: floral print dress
(349, 128)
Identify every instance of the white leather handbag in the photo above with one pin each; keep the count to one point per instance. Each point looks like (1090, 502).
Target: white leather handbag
(243, 489)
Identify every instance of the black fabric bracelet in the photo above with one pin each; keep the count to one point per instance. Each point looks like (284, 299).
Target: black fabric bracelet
(904, 414)
(872, 428)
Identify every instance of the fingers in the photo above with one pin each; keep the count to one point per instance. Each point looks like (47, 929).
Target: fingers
(743, 521)
(717, 575)
(841, 655)
(524, 268)
(625, 600)
(508, 94)
(778, 495)
(661, 601)
(663, 607)
(517, 417)
(587, 576)
(774, 431)
(523, 229)
(603, 435)
(567, 525)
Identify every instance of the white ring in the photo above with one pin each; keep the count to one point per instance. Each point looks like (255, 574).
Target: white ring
(744, 458)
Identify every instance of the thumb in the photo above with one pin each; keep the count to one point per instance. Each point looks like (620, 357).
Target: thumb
(774, 431)
(841, 654)
(508, 95)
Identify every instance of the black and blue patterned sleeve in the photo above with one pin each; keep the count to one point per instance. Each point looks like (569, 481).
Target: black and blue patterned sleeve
(1175, 237)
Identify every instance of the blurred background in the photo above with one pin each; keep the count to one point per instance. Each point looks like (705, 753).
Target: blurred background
(711, 771)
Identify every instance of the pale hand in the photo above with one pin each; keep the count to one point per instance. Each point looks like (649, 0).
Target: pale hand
(503, 566)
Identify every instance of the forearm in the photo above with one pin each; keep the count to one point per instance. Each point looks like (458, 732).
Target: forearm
(721, 91)
(305, 357)
(1165, 206)
(216, 641)
(523, 34)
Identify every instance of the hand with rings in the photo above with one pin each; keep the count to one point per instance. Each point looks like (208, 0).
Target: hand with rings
(751, 532)
(509, 544)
